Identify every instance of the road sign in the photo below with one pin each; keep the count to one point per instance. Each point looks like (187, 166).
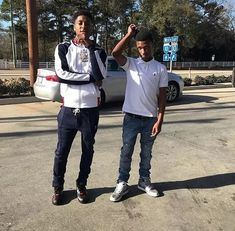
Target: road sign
(174, 48)
(175, 39)
(167, 40)
(166, 57)
(170, 47)
(173, 57)
(166, 48)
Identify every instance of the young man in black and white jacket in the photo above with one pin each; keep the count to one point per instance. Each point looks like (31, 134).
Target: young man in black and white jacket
(80, 67)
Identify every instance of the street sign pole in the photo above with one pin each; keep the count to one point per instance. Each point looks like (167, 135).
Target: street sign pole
(170, 48)
(233, 77)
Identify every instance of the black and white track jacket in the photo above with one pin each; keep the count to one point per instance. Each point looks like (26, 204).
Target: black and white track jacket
(78, 67)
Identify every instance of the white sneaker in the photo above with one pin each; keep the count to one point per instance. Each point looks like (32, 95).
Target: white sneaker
(121, 189)
(146, 186)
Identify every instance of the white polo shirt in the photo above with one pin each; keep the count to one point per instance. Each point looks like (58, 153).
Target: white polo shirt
(143, 82)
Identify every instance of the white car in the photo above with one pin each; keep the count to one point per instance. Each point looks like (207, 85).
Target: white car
(47, 86)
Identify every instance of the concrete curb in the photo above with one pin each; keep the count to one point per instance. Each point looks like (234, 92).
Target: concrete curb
(218, 85)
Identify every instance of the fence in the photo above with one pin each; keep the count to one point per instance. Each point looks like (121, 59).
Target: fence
(204, 65)
(177, 65)
(23, 65)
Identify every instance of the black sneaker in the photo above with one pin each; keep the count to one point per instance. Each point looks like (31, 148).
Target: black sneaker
(146, 186)
(57, 197)
(82, 194)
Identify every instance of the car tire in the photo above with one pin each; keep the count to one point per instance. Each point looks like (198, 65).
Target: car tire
(102, 97)
(172, 92)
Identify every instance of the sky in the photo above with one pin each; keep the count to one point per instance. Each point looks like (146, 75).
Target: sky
(230, 2)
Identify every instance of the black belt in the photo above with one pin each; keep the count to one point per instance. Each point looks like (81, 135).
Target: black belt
(137, 116)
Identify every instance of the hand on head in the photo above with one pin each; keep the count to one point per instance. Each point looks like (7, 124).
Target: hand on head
(132, 29)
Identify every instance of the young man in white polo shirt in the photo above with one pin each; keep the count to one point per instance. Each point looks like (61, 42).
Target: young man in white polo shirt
(144, 108)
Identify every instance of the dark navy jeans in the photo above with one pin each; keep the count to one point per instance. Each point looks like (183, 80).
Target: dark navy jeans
(132, 126)
(86, 121)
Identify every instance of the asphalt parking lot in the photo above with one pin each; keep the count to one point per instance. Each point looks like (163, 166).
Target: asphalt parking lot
(193, 166)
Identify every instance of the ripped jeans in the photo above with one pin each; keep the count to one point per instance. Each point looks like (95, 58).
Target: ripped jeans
(131, 127)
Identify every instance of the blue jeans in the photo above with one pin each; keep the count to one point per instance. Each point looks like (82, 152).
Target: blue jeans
(131, 128)
(68, 124)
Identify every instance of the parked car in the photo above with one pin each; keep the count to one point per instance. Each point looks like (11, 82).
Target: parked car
(47, 86)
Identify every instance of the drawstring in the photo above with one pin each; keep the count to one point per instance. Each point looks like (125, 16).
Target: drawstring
(76, 111)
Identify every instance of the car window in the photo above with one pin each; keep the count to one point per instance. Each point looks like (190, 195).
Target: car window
(113, 66)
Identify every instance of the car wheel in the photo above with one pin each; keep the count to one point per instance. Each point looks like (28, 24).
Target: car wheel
(102, 97)
(172, 91)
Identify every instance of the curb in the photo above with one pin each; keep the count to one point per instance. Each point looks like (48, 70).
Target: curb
(218, 85)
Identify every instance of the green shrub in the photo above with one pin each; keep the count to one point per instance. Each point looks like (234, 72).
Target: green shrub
(224, 79)
(210, 80)
(198, 80)
(187, 82)
(14, 87)
(229, 79)
(3, 88)
(24, 85)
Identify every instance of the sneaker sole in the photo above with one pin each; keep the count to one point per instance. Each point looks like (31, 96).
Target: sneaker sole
(83, 201)
(147, 192)
(124, 193)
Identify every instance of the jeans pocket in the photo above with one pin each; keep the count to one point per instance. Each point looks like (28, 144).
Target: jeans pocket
(60, 116)
(126, 119)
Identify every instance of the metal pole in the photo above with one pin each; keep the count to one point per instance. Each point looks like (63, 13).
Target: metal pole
(12, 37)
(170, 65)
(233, 77)
(15, 48)
(32, 26)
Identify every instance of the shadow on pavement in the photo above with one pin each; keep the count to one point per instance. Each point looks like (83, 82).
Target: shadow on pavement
(214, 181)
(19, 100)
(207, 182)
(189, 99)
(184, 99)
(199, 121)
(28, 133)
(69, 195)
(25, 118)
